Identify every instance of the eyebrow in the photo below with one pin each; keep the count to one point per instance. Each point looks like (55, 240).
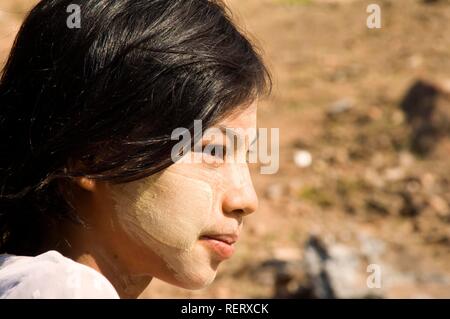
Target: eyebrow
(224, 129)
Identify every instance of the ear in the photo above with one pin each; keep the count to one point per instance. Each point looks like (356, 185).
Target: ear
(86, 183)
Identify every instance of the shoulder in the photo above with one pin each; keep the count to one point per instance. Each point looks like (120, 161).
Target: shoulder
(51, 275)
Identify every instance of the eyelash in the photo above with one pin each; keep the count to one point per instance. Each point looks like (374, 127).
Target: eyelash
(223, 151)
(222, 154)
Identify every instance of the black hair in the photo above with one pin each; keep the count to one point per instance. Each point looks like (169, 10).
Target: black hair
(101, 100)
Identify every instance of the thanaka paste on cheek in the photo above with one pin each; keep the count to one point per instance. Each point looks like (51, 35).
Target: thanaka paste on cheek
(169, 211)
(168, 207)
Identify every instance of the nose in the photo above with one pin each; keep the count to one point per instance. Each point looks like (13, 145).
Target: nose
(240, 200)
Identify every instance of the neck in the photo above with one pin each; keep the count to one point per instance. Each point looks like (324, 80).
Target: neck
(89, 249)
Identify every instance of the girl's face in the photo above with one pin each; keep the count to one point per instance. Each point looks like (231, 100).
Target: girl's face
(181, 223)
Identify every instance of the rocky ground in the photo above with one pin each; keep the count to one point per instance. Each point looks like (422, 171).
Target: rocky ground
(364, 132)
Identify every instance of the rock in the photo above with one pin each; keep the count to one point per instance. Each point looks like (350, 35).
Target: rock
(334, 156)
(331, 269)
(406, 159)
(373, 248)
(427, 110)
(378, 204)
(266, 273)
(316, 256)
(440, 206)
(394, 174)
(339, 107)
(302, 158)
(284, 276)
(335, 271)
(413, 204)
(413, 184)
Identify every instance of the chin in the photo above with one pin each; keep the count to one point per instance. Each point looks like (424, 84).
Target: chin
(193, 271)
(196, 280)
(191, 280)
(199, 282)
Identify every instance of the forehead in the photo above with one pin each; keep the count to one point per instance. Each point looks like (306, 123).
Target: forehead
(244, 119)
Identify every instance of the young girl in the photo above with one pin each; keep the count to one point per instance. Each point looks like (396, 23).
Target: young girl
(92, 204)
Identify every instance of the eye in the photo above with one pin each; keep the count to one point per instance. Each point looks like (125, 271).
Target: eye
(214, 154)
(216, 150)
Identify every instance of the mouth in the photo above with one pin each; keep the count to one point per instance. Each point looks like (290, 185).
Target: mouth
(220, 244)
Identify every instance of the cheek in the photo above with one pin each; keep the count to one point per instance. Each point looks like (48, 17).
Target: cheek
(169, 208)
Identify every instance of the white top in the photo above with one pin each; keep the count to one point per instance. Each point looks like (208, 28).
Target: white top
(51, 275)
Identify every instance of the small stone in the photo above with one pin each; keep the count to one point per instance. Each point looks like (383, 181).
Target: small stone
(413, 204)
(394, 174)
(371, 247)
(339, 107)
(302, 158)
(413, 186)
(378, 204)
(439, 205)
(406, 159)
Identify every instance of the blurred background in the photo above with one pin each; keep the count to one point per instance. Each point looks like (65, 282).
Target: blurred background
(364, 178)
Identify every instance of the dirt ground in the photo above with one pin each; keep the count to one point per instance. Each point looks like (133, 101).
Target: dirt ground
(337, 92)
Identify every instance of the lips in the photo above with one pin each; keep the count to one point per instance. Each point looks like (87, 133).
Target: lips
(227, 239)
(221, 244)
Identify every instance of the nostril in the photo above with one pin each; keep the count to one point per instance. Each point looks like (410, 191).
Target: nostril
(242, 212)
(239, 212)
